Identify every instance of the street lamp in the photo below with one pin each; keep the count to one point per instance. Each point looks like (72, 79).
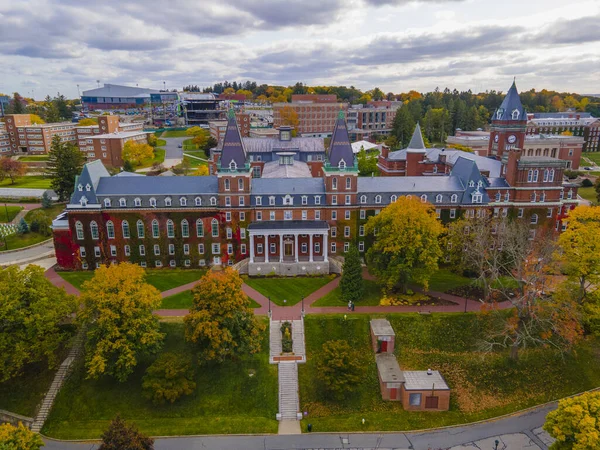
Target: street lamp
(269, 306)
(496, 442)
(302, 306)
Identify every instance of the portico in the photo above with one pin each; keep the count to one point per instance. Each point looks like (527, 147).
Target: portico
(293, 247)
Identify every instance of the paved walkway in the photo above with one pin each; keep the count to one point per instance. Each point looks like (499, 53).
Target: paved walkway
(56, 280)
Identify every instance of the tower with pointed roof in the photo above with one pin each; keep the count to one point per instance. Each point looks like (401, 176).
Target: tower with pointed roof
(509, 125)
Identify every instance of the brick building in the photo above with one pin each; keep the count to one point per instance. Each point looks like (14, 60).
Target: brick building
(317, 114)
(374, 118)
(289, 205)
(217, 128)
(580, 124)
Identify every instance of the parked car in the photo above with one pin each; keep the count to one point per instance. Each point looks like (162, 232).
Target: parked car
(180, 146)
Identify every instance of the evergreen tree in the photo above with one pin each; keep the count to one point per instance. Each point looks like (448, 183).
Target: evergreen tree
(403, 126)
(22, 228)
(46, 201)
(52, 114)
(352, 282)
(65, 162)
(127, 166)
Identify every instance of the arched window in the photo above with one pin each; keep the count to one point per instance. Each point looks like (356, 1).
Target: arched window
(515, 114)
(551, 175)
(438, 198)
(393, 198)
(530, 176)
(122, 202)
(79, 230)
(534, 219)
(471, 183)
(498, 196)
(107, 202)
(199, 228)
(168, 201)
(137, 201)
(536, 174)
(534, 197)
(153, 202)
(232, 165)
(182, 201)
(170, 229)
(424, 198)
(94, 229)
(155, 230)
(348, 183)
(570, 194)
(378, 199)
(83, 201)
(342, 164)
(507, 196)
(546, 175)
(240, 184)
(185, 228)
(213, 201)
(334, 183)
(227, 184)
(140, 229)
(215, 227)
(110, 230)
(543, 197)
(125, 229)
(454, 198)
(363, 199)
(198, 201)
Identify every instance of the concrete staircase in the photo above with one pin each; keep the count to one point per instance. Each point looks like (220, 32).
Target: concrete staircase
(274, 340)
(288, 391)
(298, 339)
(59, 378)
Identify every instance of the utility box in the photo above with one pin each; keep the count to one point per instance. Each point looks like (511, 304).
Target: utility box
(383, 337)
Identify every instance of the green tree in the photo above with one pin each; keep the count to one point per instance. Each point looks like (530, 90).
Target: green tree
(52, 115)
(86, 122)
(40, 222)
(117, 313)
(211, 142)
(352, 284)
(122, 436)
(16, 105)
(171, 376)
(152, 140)
(65, 162)
(128, 166)
(22, 227)
(339, 368)
(403, 126)
(221, 323)
(406, 247)
(19, 438)
(367, 163)
(575, 424)
(199, 136)
(46, 201)
(33, 312)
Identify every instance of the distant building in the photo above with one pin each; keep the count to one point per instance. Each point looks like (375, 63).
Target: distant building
(4, 140)
(218, 127)
(374, 118)
(478, 141)
(114, 96)
(578, 123)
(4, 100)
(317, 114)
(264, 133)
(199, 109)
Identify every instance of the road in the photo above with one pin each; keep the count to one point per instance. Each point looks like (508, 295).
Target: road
(173, 154)
(28, 254)
(500, 429)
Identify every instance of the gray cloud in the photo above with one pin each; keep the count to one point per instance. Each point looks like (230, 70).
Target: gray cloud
(404, 2)
(577, 31)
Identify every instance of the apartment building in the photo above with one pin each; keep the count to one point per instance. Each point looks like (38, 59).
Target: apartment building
(317, 114)
(4, 140)
(218, 127)
(578, 123)
(374, 118)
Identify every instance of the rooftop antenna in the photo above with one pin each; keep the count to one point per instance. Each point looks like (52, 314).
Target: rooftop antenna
(165, 85)
(98, 82)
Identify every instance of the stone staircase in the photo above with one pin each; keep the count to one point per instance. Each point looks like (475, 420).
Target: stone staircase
(288, 391)
(298, 339)
(59, 378)
(274, 340)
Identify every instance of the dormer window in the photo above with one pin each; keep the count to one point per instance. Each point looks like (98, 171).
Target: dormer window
(232, 165)
(83, 201)
(137, 201)
(342, 164)
(168, 201)
(424, 198)
(183, 201)
(304, 200)
(471, 183)
(88, 187)
(378, 199)
(153, 202)
(288, 200)
(107, 202)
(198, 201)
(515, 114)
(80, 187)
(393, 198)
(213, 201)
(479, 183)
(271, 200)
(438, 198)
(122, 202)
(258, 201)
(499, 113)
(363, 199)
(454, 198)
(507, 196)
(477, 197)
(498, 196)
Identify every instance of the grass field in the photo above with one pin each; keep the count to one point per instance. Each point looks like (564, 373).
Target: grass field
(34, 158)
(184, 300)
(21, 395)
(159, 157)
(51, 212)
(444, 279)
(594, 156)
(15, 241)
(27, 182)
(588, 193)
(8, 213)
(194, 162)
(291, 289)
(161, 279)
(482, 386)
(371, 296)
(174, 133)
(161, 143)
(227, 399)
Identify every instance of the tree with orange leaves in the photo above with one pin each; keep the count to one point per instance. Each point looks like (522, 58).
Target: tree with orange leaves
(221, 323)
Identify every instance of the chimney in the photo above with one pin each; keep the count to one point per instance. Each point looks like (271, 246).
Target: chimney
(385, 151)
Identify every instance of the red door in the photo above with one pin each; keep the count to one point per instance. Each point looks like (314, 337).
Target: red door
(383, 346)
(393, 393)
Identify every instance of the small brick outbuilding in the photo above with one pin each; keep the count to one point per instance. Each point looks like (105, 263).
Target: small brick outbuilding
(424, 390)
(390, 376)
(383, 337)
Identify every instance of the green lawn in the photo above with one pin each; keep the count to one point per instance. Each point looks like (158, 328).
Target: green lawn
(15, 241)
(227, 399)
(594, 156)
(161, 143)
(21, 395)
(51, 212)
(161, 279)
(588, 193)
(291, 289)
(12, 211)
(184, 300)
(371, 296)
(159, 157)
(482, 386)
(174, 133)
(29, 182)
(194, 162)
(34, 158)
(444, 279)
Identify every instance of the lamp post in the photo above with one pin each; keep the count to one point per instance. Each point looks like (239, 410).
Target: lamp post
(269, 306)
(496, 442)
(302, 306)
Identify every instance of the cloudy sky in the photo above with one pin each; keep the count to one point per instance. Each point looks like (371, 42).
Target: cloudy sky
(48, 46)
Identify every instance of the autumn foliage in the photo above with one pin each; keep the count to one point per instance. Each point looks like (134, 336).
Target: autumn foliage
(339, 368)
(221, 323)
(136, 152)
(122, 436)
(19, 438)
(117, 312)
(575, 424)
(169, 377)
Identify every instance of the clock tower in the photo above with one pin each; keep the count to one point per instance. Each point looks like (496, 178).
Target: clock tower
(509, 124)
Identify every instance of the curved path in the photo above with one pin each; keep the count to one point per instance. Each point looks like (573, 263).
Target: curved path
(525, 425)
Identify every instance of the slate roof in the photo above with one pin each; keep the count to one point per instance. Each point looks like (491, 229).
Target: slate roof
(498, 182)
(91, 175)
(492, 166)
(289, 224)
(273, 169)
(340, 148)
(128, 174)
(467, 171)
(301, 144)
(419, 380)
(511, 102)
(416, 142)
(157, 186)
(290, 186)
(409, 184)
(233, 147)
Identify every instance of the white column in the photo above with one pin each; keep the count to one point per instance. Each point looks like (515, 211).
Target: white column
(310, 247)
(325, 246)
(296, 244)
(266, 247)
(251, 248)
(281, 247)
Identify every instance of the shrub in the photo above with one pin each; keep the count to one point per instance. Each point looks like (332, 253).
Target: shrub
(39, 222)
(571, 174)
(169, 377)
(339, 368)
(46, 201)
(587, 183)
(19, 438)
(404, 299)
(120, 436)
(287, 344)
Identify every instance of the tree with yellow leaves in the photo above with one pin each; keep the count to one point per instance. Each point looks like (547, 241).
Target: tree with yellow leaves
(202, 171)
(87, 121)
(19, 438)
(36, 120)
(135, 152)
(289, 117)
(406, 247)
(221, 323)
(117, 313)
(199, 136)
(575, 424)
